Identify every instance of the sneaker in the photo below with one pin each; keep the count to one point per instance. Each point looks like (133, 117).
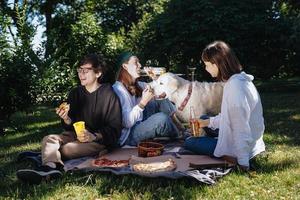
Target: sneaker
(34, 158)
(23, 155)
(43, 173)
(35, 161)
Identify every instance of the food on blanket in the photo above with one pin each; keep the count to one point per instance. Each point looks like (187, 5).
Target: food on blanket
(64, 105)
(104, 162)
(150, 149)
(155, 167)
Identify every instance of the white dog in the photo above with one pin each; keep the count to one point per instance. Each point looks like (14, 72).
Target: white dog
(205, 97)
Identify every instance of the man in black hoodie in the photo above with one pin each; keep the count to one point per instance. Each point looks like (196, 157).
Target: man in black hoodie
(97, 105)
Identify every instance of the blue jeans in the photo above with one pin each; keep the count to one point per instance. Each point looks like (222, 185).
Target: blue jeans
(156, 123)
(203, 145)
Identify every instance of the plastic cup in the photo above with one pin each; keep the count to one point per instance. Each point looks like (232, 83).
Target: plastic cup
(79, 127)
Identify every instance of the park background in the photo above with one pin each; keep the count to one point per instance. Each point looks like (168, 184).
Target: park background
(43, 40)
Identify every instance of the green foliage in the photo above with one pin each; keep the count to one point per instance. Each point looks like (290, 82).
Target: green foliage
(56, 80)
(17, 72)
(78, 38)
(86, 35)
(176, 37)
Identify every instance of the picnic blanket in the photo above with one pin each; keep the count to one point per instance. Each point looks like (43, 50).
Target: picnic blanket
(186, 163)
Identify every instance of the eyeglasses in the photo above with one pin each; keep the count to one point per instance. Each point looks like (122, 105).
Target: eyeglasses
(84, 70)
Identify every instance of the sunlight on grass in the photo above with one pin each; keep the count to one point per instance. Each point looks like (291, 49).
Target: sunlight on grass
(42, 124)
(25, 147)
(277, 174)
(296, 117)
(70, 191)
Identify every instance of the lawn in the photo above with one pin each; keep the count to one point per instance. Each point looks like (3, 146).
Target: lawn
(277, 175)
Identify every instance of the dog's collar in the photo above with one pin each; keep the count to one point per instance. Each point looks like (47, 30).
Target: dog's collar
(187, 98)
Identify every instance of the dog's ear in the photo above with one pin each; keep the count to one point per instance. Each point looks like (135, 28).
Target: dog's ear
(173, 84)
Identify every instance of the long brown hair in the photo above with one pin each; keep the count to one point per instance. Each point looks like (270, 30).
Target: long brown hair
(220, 53)
(132, 86)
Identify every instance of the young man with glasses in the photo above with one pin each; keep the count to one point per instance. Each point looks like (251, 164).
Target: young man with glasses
(93, 102)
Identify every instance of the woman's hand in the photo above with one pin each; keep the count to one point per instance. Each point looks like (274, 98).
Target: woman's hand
(86, 136)
(63, 114)
(203, 122)
(147, 96)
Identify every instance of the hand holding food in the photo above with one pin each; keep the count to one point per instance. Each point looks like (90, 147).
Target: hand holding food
(62, 111)
(147, 96)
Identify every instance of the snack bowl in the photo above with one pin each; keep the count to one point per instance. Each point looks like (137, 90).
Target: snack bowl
(150, 149)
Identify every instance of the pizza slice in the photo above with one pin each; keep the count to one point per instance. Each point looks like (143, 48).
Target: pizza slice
(63, 106)
(154, 167)
(104, 162)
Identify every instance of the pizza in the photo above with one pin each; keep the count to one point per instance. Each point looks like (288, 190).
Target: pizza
(154, 167)
(104, 162)
(64, 106)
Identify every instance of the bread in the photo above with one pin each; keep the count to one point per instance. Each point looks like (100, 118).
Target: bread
(64, 106)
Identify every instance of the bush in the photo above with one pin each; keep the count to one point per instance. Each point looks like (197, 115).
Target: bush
(17, 71)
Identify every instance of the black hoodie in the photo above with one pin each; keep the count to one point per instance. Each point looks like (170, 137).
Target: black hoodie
(100, 110)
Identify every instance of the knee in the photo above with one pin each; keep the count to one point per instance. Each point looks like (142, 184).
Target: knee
(189, 142)
(48, 138)
(162, 118)
(68, 151)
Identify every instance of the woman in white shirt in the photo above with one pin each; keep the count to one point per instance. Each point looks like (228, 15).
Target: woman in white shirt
(142, 117)
(241, 122)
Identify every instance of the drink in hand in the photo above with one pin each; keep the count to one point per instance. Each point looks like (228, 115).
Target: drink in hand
(79, 128)
(194, 123)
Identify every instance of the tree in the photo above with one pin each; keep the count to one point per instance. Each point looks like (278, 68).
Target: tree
(176, 37)
(17, 72)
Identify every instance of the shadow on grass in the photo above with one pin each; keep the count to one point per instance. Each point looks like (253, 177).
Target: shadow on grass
(157, 188)
(34, 136)
(106, 184)
(19, 190)
(270, 168)
(20, 121)
(279, 112)
(262, 164)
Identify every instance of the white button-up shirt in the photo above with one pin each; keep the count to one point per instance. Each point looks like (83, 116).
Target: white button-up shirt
(241, 122)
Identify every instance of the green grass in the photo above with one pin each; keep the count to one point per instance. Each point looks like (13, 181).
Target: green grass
(277, 175)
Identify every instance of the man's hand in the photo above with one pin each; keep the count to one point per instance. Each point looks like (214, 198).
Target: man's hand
(86, 136)
(63, 114)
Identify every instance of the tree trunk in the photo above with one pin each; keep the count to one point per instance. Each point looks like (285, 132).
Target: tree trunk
(48, 9)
